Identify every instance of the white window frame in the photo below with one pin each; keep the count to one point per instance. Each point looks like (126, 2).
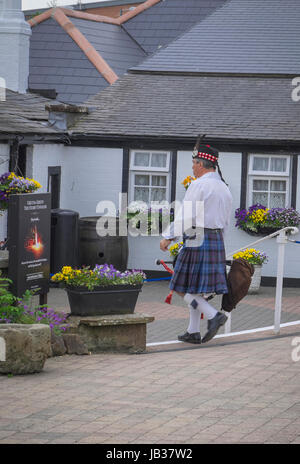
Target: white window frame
(133, 167)
(268, 175)
(287, 191)
(253, 172)
(150, 170)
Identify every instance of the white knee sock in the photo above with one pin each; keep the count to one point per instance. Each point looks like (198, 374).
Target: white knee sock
(198, 302)
(194, 325)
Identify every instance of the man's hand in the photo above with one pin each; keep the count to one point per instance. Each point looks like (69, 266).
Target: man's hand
(164, 244)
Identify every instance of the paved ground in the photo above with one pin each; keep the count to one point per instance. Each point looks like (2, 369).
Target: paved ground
(242, 389)
(170, 320)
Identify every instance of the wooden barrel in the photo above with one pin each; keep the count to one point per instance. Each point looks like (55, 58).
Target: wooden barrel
(94, 249)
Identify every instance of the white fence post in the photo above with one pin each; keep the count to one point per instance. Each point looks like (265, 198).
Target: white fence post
(227, 326)
(281, 240)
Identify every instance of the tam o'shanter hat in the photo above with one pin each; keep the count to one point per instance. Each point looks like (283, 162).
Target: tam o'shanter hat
(203, 151)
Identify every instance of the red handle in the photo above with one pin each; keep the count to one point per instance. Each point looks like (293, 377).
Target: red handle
(166, 267)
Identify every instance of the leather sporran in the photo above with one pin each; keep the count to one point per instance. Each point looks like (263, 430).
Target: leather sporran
(238, 283)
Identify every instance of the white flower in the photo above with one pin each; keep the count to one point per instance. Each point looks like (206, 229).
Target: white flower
(137, 206)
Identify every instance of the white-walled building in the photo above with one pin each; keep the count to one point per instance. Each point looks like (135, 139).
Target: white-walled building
(242, 101)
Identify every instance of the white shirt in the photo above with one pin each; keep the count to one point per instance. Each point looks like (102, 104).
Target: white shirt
(214, 196)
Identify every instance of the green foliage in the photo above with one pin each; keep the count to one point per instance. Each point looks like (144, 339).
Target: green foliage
(15, 310)
(9, 311)
(101, 275)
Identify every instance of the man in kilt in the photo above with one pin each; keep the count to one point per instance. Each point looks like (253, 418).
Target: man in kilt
(200, 268)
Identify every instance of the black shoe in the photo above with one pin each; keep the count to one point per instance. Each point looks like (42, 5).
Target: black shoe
(190, 338)
(213, 326)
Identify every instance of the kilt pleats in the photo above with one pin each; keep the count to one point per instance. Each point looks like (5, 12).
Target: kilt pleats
(201, 269)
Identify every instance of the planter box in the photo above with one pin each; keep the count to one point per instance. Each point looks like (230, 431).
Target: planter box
(114, 299)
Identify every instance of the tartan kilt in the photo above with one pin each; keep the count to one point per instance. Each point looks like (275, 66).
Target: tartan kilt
(201, 269)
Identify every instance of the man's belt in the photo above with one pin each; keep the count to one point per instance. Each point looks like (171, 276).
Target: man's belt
(208, 229)
(193, 237)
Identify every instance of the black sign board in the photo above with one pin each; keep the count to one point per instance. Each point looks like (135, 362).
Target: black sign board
(29, 219)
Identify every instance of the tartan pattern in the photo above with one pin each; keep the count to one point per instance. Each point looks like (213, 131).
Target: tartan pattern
(201, 269)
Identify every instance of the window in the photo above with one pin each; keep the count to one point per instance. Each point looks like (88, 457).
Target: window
(269, 180)
(149, 176)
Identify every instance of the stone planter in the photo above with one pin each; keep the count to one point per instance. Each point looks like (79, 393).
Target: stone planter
(114, 299)
(116, 333)
(24, 348)
(256, 279)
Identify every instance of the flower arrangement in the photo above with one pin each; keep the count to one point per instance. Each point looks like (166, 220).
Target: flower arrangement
(153, 218)
(252, 256)
(259, 219)
(10, 183)
(101, 275)
(175, 249)
(187, 181)
(15, 310)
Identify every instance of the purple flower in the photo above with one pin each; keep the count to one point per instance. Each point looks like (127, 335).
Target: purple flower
(276, 218)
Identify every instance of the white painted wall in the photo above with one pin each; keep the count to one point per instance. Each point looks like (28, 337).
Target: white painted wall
(88, 175)
(4, 158)
(143, 252)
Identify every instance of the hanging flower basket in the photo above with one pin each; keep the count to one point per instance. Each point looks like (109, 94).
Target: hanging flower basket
(259, 220)
(11, 184)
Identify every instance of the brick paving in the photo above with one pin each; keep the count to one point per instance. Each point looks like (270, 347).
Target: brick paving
(243, 389)
(170, 320)
(253, 312)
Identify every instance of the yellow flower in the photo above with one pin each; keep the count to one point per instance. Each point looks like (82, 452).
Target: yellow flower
(187, 181)
(66, 269)
(57, 277)
(259, 216)
(246, 254)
